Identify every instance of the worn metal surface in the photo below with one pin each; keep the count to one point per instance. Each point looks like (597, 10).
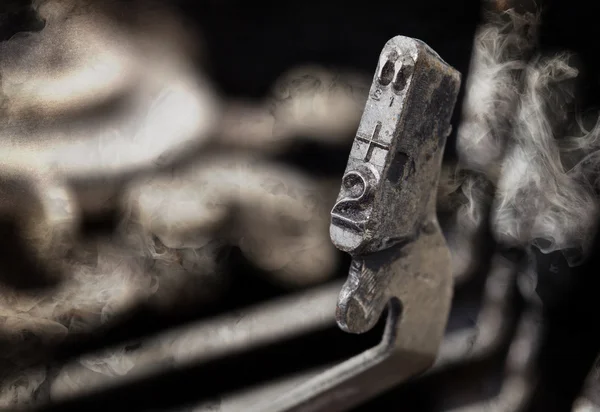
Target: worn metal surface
(224, 335)
(385, 213)
(385, 218)
(269, 323)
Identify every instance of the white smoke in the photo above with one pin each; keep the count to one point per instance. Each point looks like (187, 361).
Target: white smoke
(518, 109)
(492, 92)
(492, 89)
(539, 200)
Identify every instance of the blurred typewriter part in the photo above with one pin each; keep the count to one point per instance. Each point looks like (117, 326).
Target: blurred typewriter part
(168, 173)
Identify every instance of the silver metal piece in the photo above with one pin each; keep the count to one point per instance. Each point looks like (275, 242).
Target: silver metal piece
(385, 217)
(395, 159)
(385, 214)
(269, 323)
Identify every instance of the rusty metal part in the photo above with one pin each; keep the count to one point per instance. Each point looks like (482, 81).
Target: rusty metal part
(266, 325)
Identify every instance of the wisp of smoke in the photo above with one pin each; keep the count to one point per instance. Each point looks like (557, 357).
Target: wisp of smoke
(538, 200)
(277, 217)
(513, 135)
(492, 90)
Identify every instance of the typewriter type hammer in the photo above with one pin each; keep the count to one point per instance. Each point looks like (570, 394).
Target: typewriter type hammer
(385, 218)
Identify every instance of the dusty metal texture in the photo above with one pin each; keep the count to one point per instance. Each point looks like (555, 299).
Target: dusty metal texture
(385, 214)
(385, 218)
(394, 161)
